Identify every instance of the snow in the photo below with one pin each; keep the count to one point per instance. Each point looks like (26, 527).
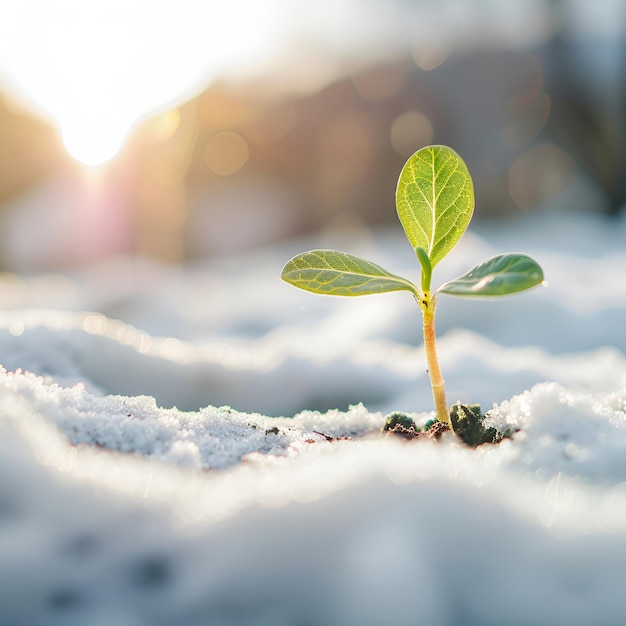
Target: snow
(201, 445)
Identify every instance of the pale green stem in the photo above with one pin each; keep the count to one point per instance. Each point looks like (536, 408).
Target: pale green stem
(430, 344)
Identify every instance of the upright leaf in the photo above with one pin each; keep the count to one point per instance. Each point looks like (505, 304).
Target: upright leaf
(435, 200)
(498, 276)
(340, 274)
(427, 268)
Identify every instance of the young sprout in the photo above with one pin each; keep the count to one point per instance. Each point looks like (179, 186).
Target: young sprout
(435, 202)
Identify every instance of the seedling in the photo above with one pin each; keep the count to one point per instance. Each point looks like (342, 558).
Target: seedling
(435, 202)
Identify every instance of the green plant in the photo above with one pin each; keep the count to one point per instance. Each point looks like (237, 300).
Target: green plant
(435, 202)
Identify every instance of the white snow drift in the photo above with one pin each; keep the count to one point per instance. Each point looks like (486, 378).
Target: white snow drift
(116, 507)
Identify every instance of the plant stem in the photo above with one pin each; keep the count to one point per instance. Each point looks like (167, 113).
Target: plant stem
(434, 371)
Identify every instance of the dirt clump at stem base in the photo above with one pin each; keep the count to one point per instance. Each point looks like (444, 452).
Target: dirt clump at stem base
(466, 421)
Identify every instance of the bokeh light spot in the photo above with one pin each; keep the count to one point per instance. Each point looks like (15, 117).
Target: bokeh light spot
(429, 57)
(162, 127)
(16, 328)
(226, 152)
(411, 131)
(95, 324)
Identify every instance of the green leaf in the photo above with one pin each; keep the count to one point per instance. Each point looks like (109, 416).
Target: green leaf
(340, 274)
(498, 276)
(435, 200)
(427, 270)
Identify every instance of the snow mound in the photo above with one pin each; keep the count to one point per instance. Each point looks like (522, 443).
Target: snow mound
(216, 457)
(336, 532)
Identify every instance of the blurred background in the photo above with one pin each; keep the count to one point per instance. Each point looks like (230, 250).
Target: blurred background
(188, 129)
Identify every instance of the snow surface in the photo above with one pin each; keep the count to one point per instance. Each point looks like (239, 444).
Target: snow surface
(116, 507)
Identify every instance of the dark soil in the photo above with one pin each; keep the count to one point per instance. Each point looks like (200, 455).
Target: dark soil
(467, 425)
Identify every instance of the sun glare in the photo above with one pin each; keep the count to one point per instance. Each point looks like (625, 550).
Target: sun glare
(98, 68)
(92, 144)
